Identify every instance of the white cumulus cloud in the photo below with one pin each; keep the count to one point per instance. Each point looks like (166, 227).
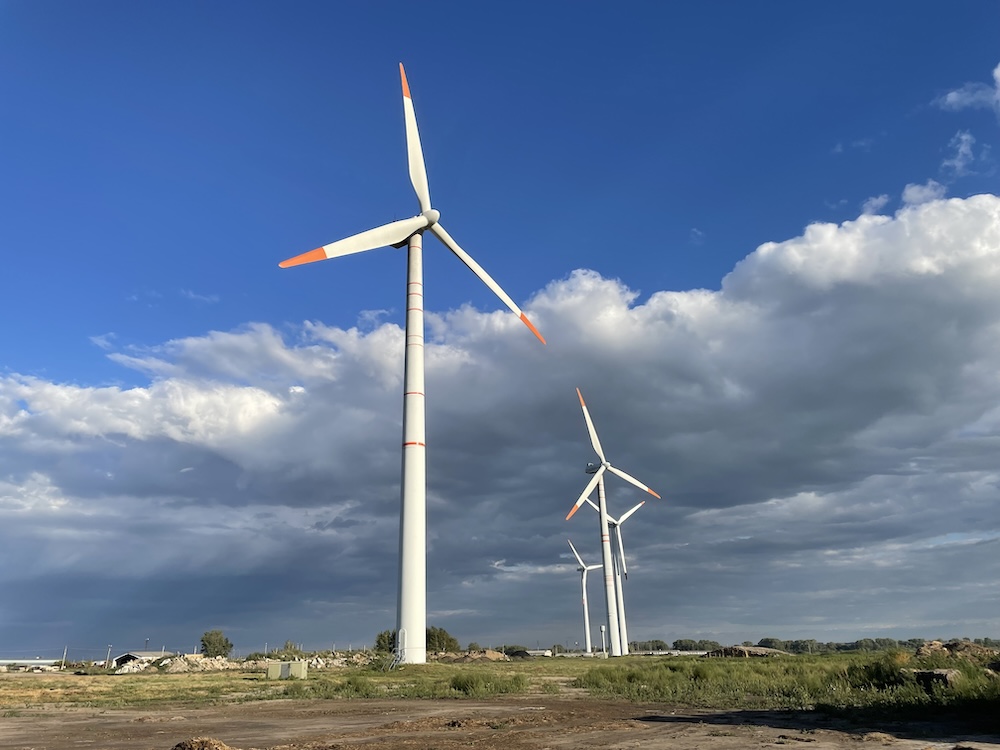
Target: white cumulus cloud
(830, 414)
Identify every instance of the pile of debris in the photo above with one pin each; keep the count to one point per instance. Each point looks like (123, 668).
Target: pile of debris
(928, 678)
(208, 664)
(958, 649)
(202, 743)
(335, 660)
(486, 654)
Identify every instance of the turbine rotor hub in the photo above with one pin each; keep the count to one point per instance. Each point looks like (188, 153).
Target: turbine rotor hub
(432, 215)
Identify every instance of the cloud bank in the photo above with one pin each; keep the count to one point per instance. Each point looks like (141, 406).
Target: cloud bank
(824, 429)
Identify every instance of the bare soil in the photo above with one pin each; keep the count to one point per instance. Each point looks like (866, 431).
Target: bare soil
(514, 723)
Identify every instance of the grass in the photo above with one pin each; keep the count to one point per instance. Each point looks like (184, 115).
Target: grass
(834, 683)
(119, 691)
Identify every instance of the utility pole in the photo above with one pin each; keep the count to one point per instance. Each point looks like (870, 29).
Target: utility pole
(107, 662)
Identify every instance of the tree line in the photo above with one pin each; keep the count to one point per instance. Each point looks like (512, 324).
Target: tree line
(215, 643)
(804, 646)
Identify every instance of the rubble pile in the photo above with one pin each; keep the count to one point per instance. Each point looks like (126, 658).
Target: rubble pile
(487, 654)
(335, 660)
(202, 743)
(210, 664)
(959, 649)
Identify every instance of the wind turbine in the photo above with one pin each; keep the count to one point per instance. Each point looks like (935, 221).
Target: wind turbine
(610, 599)
(620, 570)
(411, 623)
(584, 569)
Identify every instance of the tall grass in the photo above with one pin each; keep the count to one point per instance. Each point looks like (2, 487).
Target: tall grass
(833, 682)
(481, 685)
(475, 683)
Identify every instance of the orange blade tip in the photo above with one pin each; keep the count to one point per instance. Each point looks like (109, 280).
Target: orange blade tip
(575, 509)
(406, 86)
(654, 494)
(311, 257)
(524, 319)
(581, 397)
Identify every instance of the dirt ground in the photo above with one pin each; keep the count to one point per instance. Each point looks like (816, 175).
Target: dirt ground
(523, 723)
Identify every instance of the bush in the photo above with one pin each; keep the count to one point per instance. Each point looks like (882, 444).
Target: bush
(480, 685)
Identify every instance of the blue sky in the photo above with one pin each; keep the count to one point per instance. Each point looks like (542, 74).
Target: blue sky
(160, 159)
(603, 163)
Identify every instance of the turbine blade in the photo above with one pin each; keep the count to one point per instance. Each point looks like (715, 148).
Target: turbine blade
(621, 550)
(593, 505)
(383, 236)
(578, 558)
(463, 256)
(633, 480)
(625, 517)
(586, 493)
(590, 428)
(414, 154)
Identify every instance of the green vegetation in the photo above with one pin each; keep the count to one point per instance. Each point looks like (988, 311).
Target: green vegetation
(805, 646)
(686, 644)
(438, 639)
(833, 682)
(214, 643)
(481, 685)
(882, 683)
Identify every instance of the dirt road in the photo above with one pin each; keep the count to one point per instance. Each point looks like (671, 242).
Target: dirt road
(526, 723)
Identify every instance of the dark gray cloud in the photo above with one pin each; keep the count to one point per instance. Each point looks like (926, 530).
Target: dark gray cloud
(824, 429)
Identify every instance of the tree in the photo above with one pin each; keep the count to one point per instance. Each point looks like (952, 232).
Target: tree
(214, 643)
(438, 639)
(653, 645)
(772, 643)
(385, 641)
(473, 646)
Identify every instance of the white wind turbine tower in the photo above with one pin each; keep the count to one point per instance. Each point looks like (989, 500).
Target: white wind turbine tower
(620, 569)
(597, 481)
(411, 624)
(584, 569)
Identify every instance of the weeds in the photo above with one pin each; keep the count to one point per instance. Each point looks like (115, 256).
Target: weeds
(830, 682)
(482, 685)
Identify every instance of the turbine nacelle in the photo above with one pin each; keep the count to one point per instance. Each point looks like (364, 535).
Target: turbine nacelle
(598, 470)
(398, 233)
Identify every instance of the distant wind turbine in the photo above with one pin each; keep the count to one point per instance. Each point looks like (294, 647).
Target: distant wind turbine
(411, 624)
(597, 481)
(584, 569)
(620, 569)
